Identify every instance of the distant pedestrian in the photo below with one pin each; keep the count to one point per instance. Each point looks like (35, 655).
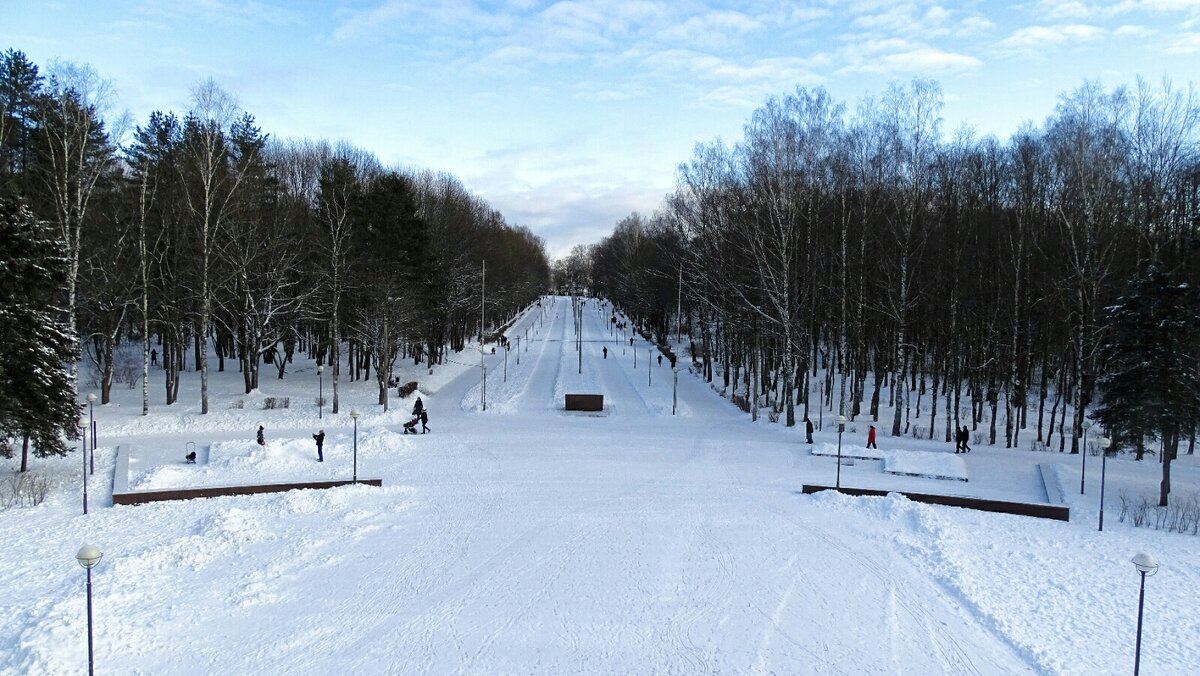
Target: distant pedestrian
(808, 429)
(871, 437)
(418, 406)
(660, 360)
(958, 440)
(966, 437)
(606, 353)
(154, 357)
(262, 439)
(424, 421)
(631, 341)
(319, 437)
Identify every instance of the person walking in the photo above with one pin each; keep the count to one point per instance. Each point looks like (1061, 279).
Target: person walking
(154, 357)
(871, 437)
(606, 353)
(966, 437)
(808, 429)
(319, 437)
(418, 406)
(424, 421)
(261, 438)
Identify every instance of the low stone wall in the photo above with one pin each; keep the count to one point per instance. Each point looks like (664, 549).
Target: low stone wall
(142, 497)
(1041, 511)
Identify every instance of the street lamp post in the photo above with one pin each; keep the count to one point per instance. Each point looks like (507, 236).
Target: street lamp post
(1087, 425)
(354, 414)
(88, 556)
(674, 388)
(91, 399)
(1146, 565)
(841, 428)
(649, 371)
(321, 391)
(1105, 442)
(85, 471)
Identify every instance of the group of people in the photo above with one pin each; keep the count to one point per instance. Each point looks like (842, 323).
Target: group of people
(808, 431)
(961, 437)
(420, 416)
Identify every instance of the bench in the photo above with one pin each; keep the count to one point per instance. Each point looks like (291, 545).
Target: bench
(585, 402)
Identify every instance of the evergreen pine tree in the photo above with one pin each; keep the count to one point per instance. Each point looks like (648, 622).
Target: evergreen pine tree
(1151, 381)
(38, 402)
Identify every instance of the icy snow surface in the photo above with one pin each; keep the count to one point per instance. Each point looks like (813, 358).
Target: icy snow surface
(524, 540)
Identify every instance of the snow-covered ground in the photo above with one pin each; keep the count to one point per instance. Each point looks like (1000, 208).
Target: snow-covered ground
(523, 539)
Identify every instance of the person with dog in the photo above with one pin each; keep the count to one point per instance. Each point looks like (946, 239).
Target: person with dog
(319, 437)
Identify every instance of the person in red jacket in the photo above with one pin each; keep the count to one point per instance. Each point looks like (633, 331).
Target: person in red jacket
(871, 437)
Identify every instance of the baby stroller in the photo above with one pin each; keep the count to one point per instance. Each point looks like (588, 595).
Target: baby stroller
(410, 427)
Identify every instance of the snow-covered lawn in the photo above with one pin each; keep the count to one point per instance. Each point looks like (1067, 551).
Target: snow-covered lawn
(521, 539)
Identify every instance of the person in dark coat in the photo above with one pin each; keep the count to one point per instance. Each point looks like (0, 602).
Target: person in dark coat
(261, 438)
(319, 437)
(424, 421)
(606, 353)
(966, 437)
(808, 429)
(418, 406)
(154, 357)
(958, 440)
(871, 437)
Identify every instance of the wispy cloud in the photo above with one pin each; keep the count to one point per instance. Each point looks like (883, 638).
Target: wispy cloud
(1183, 43)
(712, 28)
(431, 17)
(222, 11)
(1034, 39)
(897, 56)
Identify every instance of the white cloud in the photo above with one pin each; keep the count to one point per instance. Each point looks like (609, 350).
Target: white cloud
(1034, 39)
(974, 25)
(1063, 9)
(892, 57)
(1131, 31)
(777, 72)
(429, 17)
(710, 28)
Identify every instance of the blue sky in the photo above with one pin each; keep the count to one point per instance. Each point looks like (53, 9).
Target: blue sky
(567, 116)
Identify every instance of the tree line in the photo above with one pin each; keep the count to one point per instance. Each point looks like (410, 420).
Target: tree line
(199, 238)
(863, 258)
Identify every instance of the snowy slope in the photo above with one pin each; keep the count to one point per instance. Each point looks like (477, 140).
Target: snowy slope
(526, 540)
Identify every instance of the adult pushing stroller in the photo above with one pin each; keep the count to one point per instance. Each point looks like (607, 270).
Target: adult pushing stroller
(410, 427)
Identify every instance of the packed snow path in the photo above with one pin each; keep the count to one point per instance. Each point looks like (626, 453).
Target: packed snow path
(525, 539)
